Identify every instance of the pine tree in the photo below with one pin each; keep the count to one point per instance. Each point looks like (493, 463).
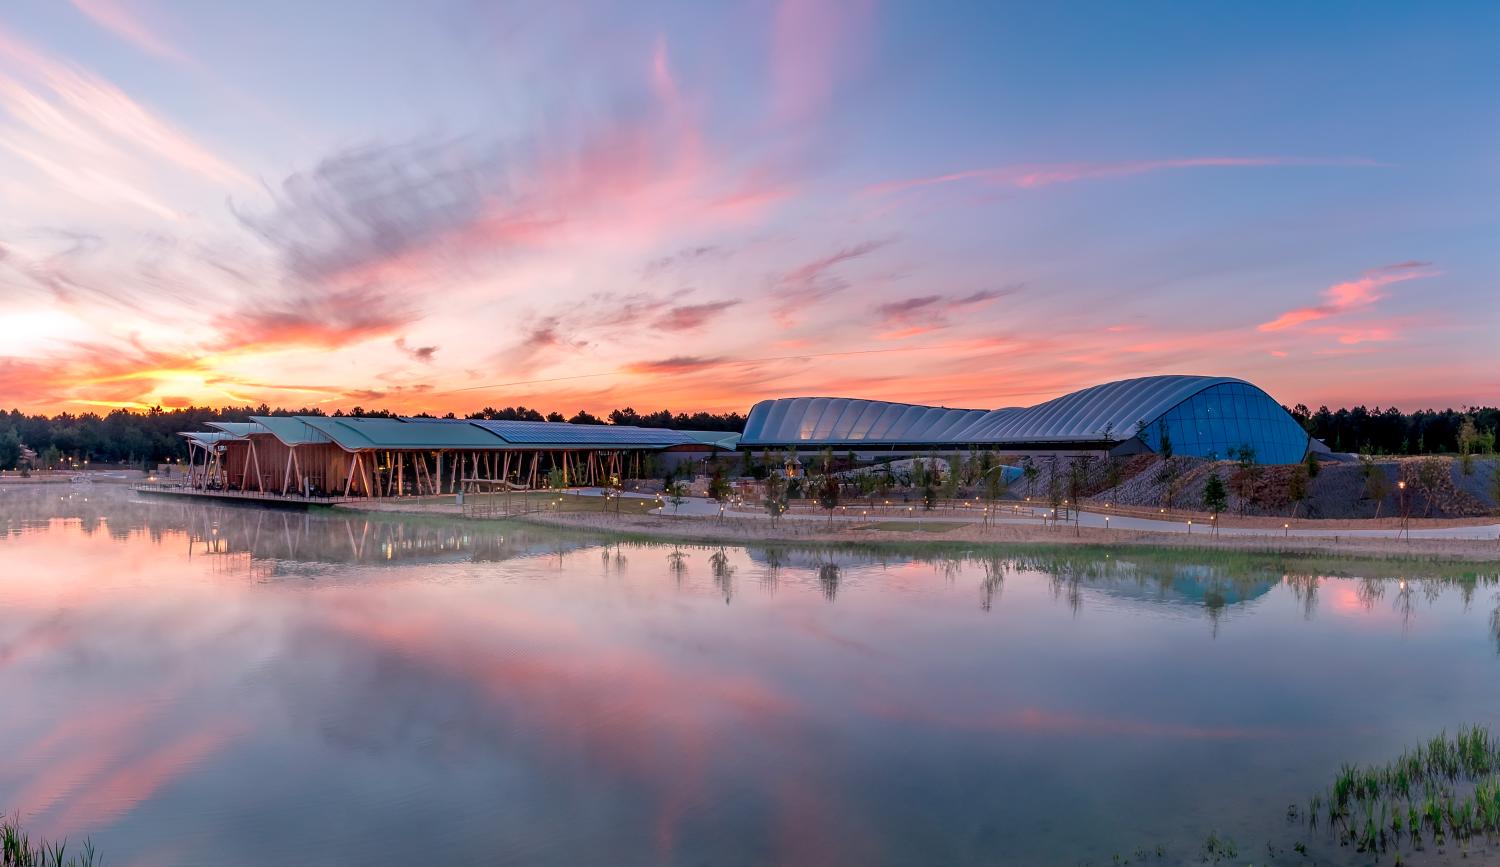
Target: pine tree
(1215, 498)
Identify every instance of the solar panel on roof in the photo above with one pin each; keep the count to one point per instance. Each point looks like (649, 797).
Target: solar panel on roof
(563, 433)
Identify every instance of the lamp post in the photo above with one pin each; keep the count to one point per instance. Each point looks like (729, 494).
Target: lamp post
(1401, 488)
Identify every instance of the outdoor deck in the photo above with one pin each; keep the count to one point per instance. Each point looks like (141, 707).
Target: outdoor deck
(289, 500)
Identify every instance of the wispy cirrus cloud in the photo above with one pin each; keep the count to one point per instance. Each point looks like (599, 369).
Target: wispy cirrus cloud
(691, 317)
(813, 45)
(128, 24)
(317, 320)
(814, 281)
(1352, 295)
(1035, 175)
(91, 139)
(909, 317)
(675, 364)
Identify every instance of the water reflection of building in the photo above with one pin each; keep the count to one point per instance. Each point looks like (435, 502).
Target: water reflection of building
(1197, 585)
(249, 533)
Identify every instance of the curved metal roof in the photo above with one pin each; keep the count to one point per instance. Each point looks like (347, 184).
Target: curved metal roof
(1109, 412)
(237, 428)
(1117, 407)
(843, 420)
(291, 430)
(354, 433)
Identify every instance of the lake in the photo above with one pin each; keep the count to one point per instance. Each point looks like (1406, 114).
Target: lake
(190, 683)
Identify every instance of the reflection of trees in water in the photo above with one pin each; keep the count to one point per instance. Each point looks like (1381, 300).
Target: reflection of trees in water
(1495, 624)
(1369, 591)
(951, 567)
(771, 575)
(993, 583)
(723, 572)
(1067, 584)
(613, 559)
(828, 580)
(677, 564)
(1305, 590)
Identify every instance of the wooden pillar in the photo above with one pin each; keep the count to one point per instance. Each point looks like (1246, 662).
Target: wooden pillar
(353, 467)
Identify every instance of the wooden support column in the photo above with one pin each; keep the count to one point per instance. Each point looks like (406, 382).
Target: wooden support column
(255, 460)
(286, 477)
(353, 468)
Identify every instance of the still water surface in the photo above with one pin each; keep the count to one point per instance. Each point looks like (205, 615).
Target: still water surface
(198, 684)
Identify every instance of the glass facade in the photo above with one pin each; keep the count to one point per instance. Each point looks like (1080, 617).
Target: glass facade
(1218, 420)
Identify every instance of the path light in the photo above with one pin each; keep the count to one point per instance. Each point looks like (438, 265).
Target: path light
(1106, 522)
(1286, 529)
(1190, 527)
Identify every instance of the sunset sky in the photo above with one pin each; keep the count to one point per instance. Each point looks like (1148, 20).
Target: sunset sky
(445, 205)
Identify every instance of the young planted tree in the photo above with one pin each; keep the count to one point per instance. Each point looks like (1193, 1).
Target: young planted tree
(1468, 443)
(1167, 475)
(828, 495)
(677, 495)
(776, 496)
(1054, 487)
(1377, 486)
(1296, 487)
(1078, 482)
(1312, 465)
(951, 478)
(929, 496)
(719, 491)
(1030, 472)
(994, 485)
(1430, 474)
(1215, 498)
(1247, 474)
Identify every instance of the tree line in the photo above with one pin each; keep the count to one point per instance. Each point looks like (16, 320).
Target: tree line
(126, 436)
(1393, 432)
(131, 437)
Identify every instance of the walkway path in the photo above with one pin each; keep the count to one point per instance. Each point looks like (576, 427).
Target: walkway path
(701, 507)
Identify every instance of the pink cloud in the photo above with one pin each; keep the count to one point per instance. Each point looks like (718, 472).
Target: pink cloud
(1035, 175)
(89, 135)
(122, 22)
(813, 44)
(1352, 295)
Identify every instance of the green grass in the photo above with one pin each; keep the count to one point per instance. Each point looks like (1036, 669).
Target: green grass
(1445, 789)
(18, 850)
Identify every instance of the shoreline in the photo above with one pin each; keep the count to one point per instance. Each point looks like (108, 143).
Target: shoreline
(740, 529)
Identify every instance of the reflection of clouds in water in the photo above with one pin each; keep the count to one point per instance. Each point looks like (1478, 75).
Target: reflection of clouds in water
(498, 668)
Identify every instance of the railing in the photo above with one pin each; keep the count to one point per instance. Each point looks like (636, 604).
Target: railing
(496, 498)
(223, 494)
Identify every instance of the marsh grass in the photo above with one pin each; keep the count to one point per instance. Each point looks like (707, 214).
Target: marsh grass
(17, 850)
(1446, 790)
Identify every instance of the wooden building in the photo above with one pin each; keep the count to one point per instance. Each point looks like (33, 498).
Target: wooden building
(323, 456)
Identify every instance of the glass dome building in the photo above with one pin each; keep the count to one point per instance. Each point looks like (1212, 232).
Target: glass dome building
(1201, 416)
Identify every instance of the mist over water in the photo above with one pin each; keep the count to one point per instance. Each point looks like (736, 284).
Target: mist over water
(191, 684)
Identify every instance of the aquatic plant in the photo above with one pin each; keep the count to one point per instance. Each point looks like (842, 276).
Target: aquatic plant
(1445, 789)
(17, 850)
